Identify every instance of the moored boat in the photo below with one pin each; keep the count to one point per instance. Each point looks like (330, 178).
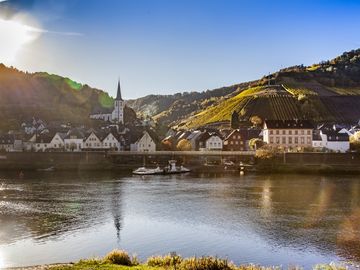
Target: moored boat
(170, 169)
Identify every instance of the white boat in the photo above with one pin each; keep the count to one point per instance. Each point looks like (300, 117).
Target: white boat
(170, 169)
(173, 169)
(148, 171)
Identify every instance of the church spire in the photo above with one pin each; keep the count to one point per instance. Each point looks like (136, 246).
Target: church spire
(118, 95)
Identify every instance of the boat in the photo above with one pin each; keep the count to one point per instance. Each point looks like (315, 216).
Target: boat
(173, 169)
(148, 171)
(170, 169)
(50, 169)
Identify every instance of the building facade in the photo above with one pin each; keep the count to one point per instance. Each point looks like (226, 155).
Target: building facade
(288, 133)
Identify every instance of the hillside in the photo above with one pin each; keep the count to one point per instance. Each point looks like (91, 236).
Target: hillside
(49, 97)
(328, 91)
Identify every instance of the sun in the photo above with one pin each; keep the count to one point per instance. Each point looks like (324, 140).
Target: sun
(14, 36)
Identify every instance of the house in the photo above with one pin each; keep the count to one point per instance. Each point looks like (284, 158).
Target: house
(111, 142)
(146, 143)
(209, 142)
(92, 142)
(7, 142)
(114, 116)
(74, 140)
(288, 133)
(235, 141)
(41, 142)
(192, 138)
(331, 140)
(57, 142)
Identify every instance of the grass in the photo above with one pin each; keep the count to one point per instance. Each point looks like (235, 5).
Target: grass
(120, 260)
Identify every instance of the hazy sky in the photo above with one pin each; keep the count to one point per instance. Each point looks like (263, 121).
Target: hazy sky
(168, 46)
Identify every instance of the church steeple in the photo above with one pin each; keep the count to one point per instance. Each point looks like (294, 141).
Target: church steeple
(118, 95)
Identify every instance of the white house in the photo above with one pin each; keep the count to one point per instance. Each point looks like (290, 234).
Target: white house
(57, 142)
(331, 140)
(41, 142)
(92, 142)
(74, 140)
(214, 142)
(144, 144)
(117, 115)
(110, 142)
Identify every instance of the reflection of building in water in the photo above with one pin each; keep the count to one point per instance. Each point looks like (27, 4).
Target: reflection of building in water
(116, 207)
(266, 204)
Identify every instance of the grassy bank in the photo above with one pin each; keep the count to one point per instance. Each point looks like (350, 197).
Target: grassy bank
(120, 260)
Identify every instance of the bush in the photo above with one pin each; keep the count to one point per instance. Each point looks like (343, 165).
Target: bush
(164, 261)
(206, 263)
(117, 256)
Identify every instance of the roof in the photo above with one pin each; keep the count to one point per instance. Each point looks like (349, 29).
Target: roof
(118, 94)
(337, 137)
(288, 124)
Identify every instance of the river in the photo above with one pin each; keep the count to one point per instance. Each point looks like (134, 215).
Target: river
(264, 219)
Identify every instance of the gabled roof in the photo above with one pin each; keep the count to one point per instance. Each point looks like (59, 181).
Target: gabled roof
(288, 124)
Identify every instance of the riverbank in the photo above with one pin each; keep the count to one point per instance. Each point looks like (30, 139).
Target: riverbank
(121, 260)
(206, 162)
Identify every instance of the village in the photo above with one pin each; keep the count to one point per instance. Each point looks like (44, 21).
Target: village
(293, 135)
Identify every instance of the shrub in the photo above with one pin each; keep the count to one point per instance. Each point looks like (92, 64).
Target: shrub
(164, 261)
(120, 257)
(206, 263)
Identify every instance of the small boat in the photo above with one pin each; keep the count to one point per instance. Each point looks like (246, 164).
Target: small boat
(173, 169)
(170, 169)
(50, 169)
(147, 171)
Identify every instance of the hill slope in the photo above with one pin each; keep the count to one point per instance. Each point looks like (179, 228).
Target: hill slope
(49, 97)
(328, 91)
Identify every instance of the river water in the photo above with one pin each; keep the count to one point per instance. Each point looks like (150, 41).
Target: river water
(264, 219)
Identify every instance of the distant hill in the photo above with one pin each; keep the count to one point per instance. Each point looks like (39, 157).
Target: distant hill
(49, 97)
(328, 91)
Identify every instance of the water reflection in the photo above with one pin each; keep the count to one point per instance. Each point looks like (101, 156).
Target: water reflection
(279, 219)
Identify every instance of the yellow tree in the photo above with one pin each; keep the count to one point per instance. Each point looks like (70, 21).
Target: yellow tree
(183, 145)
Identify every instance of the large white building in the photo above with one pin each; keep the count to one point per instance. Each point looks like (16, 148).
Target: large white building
(144, 144)
(117, 115)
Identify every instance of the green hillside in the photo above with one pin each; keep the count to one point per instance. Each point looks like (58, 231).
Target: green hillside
(49, 97)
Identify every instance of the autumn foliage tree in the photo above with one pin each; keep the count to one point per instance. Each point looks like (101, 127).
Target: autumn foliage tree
(183, 145)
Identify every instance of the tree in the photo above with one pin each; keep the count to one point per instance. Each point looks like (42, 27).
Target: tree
(256, 120)
(234, 120)
(184, 145)
(256, 143)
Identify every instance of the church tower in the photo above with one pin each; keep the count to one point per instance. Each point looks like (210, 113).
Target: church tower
(118, 112)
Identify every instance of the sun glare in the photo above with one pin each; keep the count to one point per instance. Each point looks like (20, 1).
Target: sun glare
(14, 36)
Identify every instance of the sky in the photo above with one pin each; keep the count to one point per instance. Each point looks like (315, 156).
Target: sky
(169, 46)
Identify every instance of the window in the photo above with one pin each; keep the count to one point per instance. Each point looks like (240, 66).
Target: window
(308, 132)
(290, 140)
(302, 132)
(283, 140)
(309, 140)
(271, 140)
(236, 142)
(290, 132)
(296, 132)
(271, 132)
(302, 140)
(277, 140)
(231, 142)
(277, 132)
(284, 132)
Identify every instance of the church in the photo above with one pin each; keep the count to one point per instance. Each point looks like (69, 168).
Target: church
(117, 114)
